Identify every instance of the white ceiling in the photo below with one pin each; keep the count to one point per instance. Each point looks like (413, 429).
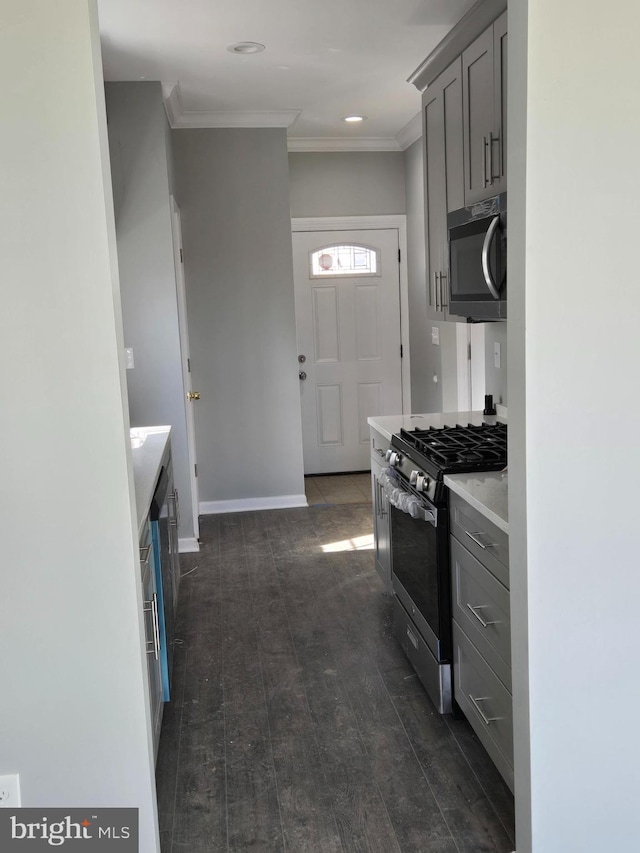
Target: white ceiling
(324, 60)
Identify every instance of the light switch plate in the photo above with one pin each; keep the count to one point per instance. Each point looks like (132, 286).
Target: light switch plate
(496, 354)
(435, 336)
(128, 358)
(10, 791)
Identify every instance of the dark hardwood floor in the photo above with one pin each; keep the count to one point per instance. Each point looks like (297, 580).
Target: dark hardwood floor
(297, 724)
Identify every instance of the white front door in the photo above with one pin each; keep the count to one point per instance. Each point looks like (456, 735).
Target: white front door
(347, 293)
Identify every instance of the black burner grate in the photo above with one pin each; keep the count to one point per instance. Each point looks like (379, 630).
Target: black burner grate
(461, 448)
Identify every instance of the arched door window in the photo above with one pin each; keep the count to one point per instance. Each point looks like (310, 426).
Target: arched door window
(342, 259)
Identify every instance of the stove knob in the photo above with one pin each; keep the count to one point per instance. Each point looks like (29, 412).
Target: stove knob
(413, 477)
(387, 455)
(422, 483)
(394, 459)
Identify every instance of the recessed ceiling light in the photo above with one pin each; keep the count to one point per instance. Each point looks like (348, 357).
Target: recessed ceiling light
(246, 47)
(354, 118)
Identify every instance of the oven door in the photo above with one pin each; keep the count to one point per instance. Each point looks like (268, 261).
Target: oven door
(420, 565)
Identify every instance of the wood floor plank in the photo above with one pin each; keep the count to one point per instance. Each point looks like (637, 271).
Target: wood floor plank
(298, 724)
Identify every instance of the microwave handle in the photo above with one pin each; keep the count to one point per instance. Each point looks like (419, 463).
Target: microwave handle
(486, 269)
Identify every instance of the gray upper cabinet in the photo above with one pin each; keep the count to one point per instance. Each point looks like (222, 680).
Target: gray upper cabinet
(484, 82)
(500, 76)
(444, 177)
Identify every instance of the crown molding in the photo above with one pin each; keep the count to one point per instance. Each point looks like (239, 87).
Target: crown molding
(337, 143)
(481, 15)
(410, 133)
(180, 118)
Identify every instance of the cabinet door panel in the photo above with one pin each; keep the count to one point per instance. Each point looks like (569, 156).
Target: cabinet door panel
(478, 104)
(453, 135)
(444, 178)
(499, 154)
(435, 197)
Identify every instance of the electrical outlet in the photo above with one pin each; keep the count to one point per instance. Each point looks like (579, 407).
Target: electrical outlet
(435, 336)
(128, 358)
(10, 791)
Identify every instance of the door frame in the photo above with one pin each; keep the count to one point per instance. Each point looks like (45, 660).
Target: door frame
(376, 223)
(185, 545)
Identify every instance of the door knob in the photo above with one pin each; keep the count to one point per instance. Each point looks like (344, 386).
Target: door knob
(302, 359)
(302, 375)
(193, 395)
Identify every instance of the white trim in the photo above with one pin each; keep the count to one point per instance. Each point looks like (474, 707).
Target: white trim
(248, 504)
(338, 143)
(236, 118)
(179, 118)
(371, 223)
(188, 545)
(410, 133)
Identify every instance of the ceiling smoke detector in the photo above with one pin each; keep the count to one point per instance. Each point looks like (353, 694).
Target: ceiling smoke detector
(245, 47)
(354, 118)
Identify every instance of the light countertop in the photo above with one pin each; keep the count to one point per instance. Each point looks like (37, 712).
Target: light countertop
(485, 491)
(149, 448)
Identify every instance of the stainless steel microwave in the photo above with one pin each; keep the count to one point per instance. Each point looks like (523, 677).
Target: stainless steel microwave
(478, 260)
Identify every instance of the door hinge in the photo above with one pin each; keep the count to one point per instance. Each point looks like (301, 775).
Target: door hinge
(195, 469)
(401, 351)
(181, 256)
(188, 365)
(399, 256)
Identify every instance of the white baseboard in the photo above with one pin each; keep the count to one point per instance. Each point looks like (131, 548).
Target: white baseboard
(188, 545)
(248, 504)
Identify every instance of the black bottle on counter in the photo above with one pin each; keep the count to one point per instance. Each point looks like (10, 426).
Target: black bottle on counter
(489, 408)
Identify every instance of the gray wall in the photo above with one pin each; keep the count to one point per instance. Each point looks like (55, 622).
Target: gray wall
(73, 702)
(496, 377)
(233, 192)
(346, 183)
(138, 135)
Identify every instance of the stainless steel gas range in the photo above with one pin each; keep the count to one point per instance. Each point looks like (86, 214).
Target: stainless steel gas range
(418, 460)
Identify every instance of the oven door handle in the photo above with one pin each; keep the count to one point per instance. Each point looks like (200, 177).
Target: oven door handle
(413, 507)
(486, 267)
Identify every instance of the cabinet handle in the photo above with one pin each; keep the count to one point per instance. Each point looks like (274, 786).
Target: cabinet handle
(383, 511)
(485, 181)
(443, 304)
(486, 720)
(473, 609)
(176, 507)
(435, 290)
(156, 626)
(380, 452)
(145, 553)
(152, 608)
(492, 140)
(473, 537)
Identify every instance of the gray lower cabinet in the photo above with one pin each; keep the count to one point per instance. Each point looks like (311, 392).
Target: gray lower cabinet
(482, 630)
(380, 505)
(443, 178)
(152, 633)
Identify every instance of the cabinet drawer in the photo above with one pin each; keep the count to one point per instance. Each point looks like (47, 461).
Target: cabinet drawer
(481, 607)
(480, 536)
(485, 701)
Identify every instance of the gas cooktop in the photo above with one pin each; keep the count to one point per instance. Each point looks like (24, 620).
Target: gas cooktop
(456, 449)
